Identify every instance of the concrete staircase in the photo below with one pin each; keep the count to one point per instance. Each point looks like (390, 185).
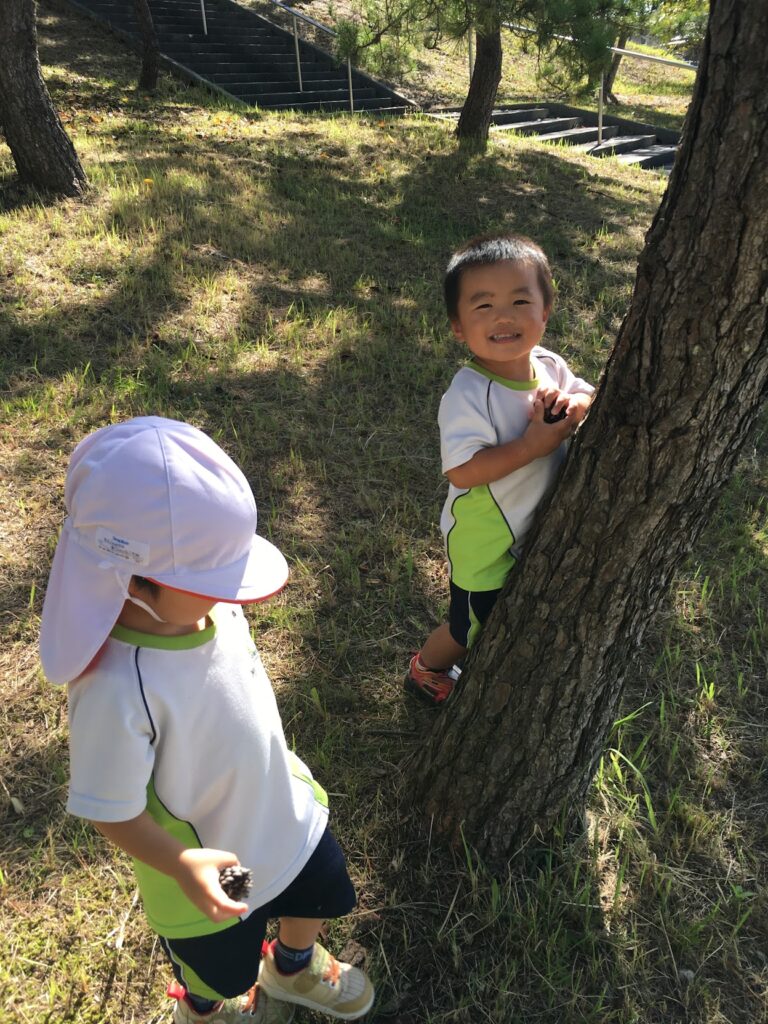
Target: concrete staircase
(245, 57)
(629, 141)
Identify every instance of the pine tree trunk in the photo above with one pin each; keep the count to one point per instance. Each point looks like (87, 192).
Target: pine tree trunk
(610, 78)
(150, 57)
(518, 746)
(476, 113)
(41, 149)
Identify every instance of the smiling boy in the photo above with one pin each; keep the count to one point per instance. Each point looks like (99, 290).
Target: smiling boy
(504, 422)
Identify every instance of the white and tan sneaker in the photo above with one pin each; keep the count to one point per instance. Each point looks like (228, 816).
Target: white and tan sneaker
(327, 985)
(255, 1007)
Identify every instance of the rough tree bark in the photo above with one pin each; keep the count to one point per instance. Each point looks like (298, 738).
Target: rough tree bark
(681, 389)
(150, 47)
(475, 118)
(41, 149)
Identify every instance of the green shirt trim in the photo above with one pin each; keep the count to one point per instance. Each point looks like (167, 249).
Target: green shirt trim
(169, 912)
(479, 542)
(513, 385)
(185, 642)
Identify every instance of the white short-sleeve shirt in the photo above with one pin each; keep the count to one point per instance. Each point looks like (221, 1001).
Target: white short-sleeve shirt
(484, 526)
(188, 729)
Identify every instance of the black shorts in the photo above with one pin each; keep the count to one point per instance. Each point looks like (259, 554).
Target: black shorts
(226, 963)
(468, 611)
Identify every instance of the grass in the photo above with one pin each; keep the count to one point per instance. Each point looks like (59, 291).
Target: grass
(275, 280)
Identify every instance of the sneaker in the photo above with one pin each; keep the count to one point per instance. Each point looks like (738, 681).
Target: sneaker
(432, 687)
(255, 1007)
(327, 985)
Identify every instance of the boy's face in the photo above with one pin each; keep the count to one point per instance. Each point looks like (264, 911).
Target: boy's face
(501, 316)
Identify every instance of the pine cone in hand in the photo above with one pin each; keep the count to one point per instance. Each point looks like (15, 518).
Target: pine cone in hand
(236, 882)
(550, 417)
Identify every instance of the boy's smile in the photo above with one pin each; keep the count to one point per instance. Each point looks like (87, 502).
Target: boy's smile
(501, 316)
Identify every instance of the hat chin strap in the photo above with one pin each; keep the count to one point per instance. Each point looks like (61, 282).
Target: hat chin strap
(146, 607)
(129, 596)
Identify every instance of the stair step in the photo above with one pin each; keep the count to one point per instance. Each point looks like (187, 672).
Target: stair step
(502, 117)
(573, 136)
(225, 34)
(212, 58)
(649, 156)
(623, 144)
(235, 62)
(266, 92)
(268, 51)
(280, 99)
(275, 76)
(187, 11)
(540, 127)
(342, 106)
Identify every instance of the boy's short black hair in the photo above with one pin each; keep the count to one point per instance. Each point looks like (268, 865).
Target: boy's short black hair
(148, 585)
(487, 249)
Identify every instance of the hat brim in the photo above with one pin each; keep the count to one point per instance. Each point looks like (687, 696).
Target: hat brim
(255, 577)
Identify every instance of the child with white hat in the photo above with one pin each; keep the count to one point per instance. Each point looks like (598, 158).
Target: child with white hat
(177, 751)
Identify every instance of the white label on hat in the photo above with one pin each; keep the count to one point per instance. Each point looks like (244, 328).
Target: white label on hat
(119, 547)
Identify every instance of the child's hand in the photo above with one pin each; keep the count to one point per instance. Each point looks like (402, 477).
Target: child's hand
(198, 878)
(555, 403)
(541, 438)
(577, 406)
(560, 403)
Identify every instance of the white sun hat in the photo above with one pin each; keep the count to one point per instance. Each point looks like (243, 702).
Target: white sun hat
(156, 498)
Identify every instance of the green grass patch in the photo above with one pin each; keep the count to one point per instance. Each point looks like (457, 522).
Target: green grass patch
(275, 279)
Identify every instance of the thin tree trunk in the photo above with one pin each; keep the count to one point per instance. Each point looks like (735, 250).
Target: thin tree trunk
(475, 118)
(683, 385)
(150, 57)
(42, 151)
(610, 77)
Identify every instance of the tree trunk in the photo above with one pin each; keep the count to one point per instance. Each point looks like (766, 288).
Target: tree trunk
(518, 746)
(476, 113)
(613, 70)
(41, 149)
(150, 57)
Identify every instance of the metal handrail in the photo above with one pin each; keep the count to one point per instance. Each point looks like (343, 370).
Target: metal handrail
(656, 60)
(303, 17)
(611, 49)
(299, 15)
(637, 56)
(323, 28)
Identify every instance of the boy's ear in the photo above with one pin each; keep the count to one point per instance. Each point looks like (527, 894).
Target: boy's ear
(456, 328)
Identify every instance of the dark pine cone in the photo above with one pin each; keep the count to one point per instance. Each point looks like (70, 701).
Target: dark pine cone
(236, 882)
(549, 418)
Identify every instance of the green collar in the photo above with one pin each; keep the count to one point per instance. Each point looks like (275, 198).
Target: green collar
(513, 385)
(186, 642)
